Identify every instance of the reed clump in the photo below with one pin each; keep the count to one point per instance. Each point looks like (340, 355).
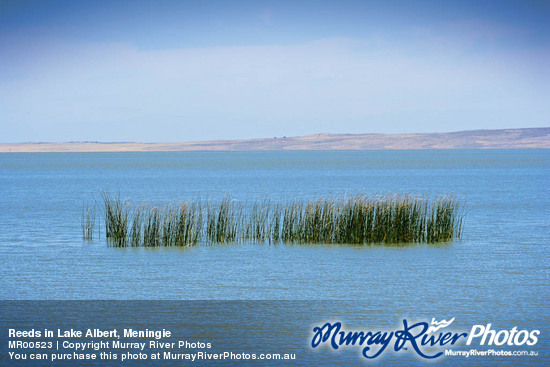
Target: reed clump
(356, 219)
(117, 216)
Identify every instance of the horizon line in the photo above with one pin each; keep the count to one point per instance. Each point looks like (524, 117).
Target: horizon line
(265, 138)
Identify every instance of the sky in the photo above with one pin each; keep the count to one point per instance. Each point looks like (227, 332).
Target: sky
(169, 71)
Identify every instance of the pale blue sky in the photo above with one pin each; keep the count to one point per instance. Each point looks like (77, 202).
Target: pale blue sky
(199, 70)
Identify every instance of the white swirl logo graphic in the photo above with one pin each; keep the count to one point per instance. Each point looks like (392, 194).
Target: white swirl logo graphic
(439, 325)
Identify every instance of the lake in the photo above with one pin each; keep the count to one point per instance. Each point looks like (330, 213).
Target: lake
(497, 273)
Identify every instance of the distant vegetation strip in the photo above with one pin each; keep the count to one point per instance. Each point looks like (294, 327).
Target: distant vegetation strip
(528, 138)
(356, 219)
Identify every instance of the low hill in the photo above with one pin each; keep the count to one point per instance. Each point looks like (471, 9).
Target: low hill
(472, 139)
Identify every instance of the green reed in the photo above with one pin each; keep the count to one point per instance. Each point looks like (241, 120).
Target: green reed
(136, 230)
(356, 219)
(117, 215)
(88, 222)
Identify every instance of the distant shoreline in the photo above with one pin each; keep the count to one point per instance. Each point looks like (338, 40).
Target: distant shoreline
(527, 138)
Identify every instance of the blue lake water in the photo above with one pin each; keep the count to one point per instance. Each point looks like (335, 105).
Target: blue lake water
(498, 272)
